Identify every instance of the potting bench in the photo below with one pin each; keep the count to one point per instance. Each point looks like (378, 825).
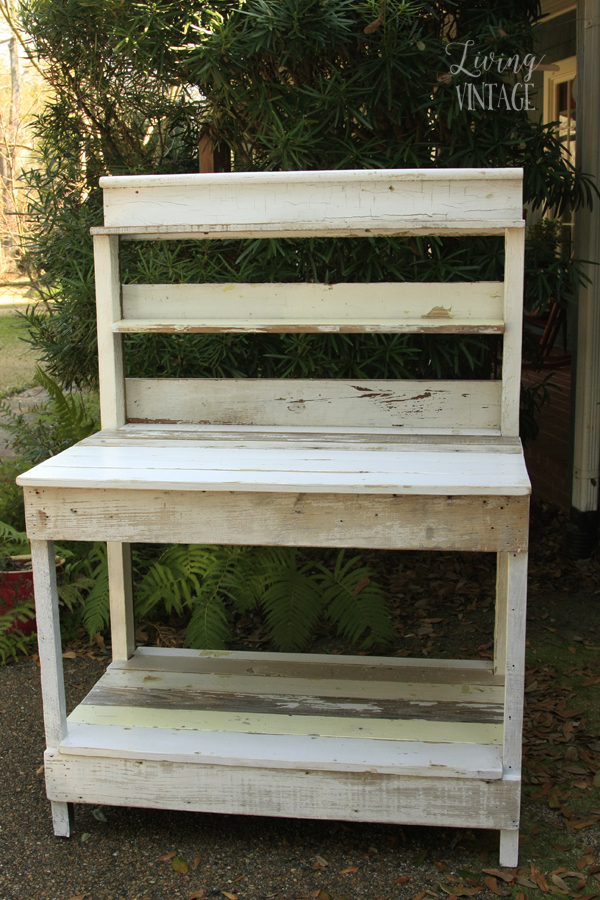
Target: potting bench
(428, 465)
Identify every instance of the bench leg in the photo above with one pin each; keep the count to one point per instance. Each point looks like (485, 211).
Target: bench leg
(51, 664)
(510, 629)
(509, 848)
(62, 818)
(120, 588)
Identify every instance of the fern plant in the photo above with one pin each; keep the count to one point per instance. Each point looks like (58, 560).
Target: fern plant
(61, 421)
(211, 583)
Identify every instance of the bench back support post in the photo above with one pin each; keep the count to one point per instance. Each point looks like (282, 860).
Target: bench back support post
(110, 345)
(514, 246)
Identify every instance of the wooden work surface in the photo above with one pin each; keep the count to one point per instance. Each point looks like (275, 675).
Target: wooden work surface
(284, 465)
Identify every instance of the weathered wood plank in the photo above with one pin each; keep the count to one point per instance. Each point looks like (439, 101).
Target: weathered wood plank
(513, 315)
(273, 792)
(289, 468)
(120, 588)
(317, 667)
(310, 685)
(451, 405)
(49, 643)
(110, 346)
(358, 200)
(195, 325)
(106, 694)
(273, 437)
(274, 723)
(281, 751)
(310, 520)
(384, 307)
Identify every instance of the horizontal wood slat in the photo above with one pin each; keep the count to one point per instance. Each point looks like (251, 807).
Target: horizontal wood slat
(307, 520)
(272, 723)
(421, 307)
(297, 704)
(288, 468)
(354, 796)
(310, 685)
(281, 751)
(403, 674)
(450, 406)
(321, 202)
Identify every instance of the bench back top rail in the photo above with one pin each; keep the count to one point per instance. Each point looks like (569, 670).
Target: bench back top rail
(349, 203)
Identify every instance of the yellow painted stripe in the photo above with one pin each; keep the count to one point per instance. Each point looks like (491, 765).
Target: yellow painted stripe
(325, 726)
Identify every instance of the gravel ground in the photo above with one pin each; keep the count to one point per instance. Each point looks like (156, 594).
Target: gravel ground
(128, 854)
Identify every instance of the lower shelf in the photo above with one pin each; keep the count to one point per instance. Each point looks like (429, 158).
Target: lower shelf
(390, 740)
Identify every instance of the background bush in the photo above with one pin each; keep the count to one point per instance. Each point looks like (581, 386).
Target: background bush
(276, 84)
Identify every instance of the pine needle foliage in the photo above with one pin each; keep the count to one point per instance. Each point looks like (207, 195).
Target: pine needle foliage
(277, 85)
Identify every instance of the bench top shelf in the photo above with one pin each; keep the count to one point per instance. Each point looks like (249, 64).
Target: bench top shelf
(223, 465)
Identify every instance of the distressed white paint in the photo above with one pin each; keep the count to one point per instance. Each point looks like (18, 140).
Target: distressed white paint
(287, 469)
(49, 644)
(417, 522)
(513, 334)
(509, 848)
(454, 760)
(450, 406)
(273, 792)
(120, 587)
(320, 201)
(421, 307)
(311, 685)
(516, 607)
(110, 346)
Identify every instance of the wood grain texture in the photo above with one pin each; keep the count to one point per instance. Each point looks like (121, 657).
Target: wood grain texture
(343, 228)
(316, 667)
(501, 612)
(296, 704)
(383, 307)
(281, 751)
(310, 520)
(516, 608)
(120, 588)
(509, 848)
(288, 468)
(322, 201)
(274, 723)
(272, 792)
(110, 346)
(310, 685)
(513, 335)
(454, 406)
(49, 641)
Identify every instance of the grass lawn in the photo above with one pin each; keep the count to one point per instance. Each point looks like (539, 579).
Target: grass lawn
(17, 361)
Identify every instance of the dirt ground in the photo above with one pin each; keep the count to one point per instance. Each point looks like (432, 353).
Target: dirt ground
(442, 605)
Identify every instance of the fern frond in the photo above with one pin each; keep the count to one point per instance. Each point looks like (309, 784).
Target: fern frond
(11, 535)
(96, 604)
(174, 578)
(73, 422)
(12, 642)
(355, 602)
(293, 602)
(208, 628)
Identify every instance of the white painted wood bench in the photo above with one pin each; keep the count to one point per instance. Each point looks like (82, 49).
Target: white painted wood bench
(411, 464)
